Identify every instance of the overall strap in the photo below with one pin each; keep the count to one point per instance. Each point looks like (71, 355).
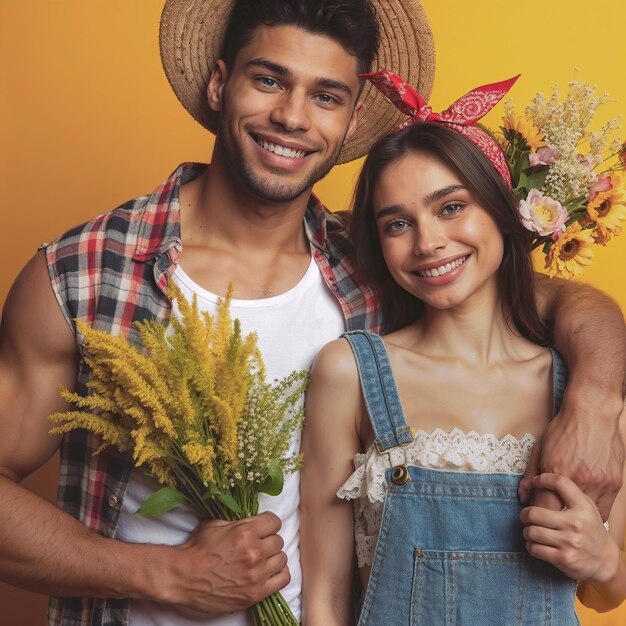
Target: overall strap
(379, 389)
(559, 380)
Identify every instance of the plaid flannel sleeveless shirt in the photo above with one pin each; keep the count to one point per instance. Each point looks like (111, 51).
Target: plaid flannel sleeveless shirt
(111, 272)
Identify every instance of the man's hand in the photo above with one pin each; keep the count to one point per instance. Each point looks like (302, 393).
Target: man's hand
(584, 444)
(582, 441)
(573, 539)
(229, 566)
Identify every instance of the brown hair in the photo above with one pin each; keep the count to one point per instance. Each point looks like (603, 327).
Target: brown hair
(352, 23)
(473, 168)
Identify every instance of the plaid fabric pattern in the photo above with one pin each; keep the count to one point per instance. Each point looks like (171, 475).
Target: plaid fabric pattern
(111, 272)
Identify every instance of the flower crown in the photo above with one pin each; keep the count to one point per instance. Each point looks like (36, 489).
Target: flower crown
(568, 201)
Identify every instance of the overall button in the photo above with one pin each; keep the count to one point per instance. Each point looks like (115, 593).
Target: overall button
(400, 474)
(113, 500)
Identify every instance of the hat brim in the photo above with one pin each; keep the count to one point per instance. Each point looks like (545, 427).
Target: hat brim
(191, 36)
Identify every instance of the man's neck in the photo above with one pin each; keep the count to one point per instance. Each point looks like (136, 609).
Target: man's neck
(229, 237)
(216, 206)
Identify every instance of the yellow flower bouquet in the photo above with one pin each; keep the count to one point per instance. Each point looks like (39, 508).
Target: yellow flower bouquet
(196, 412)
(566, 176)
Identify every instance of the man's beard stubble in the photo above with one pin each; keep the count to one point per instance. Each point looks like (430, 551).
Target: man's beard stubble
(266, 188)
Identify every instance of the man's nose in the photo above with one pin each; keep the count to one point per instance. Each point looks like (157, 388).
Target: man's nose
(291, 112)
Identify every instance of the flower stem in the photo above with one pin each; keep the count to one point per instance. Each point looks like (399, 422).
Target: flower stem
(273, 611)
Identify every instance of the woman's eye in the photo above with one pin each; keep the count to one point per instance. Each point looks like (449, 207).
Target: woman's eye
(396, 226)
(451, 209)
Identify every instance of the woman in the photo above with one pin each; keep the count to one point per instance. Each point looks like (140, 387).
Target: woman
(447, 407)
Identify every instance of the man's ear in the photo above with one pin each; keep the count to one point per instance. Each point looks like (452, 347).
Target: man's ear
(215, 86)
(354, 120)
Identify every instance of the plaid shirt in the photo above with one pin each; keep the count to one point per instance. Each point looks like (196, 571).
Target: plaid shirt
(112, 272)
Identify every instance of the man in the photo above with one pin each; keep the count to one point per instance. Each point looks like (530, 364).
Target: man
(283, 98)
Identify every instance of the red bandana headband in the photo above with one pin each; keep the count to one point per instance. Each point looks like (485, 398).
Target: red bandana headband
(461, 116)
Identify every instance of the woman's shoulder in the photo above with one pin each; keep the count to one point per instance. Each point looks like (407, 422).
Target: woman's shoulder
(335, 363)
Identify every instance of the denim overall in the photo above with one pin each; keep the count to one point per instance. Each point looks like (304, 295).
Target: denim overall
(450, 551)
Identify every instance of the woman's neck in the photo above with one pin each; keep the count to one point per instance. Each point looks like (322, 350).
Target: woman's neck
(476, 331)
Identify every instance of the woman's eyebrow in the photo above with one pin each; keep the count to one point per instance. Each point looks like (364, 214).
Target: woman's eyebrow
(392, 209)
(438, 194)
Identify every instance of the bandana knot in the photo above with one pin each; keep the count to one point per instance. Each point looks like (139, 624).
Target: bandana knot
(461, 116)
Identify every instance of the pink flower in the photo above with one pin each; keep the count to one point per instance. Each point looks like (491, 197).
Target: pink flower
(584, 161)
(544, 156)
(541, 214)
(603, 183)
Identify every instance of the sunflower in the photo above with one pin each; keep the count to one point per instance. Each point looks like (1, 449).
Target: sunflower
(525, 127)
(606, 210)
(570, 253)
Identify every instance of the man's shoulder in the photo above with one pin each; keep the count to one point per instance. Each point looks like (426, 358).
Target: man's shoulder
(145, 222)
(118, 224)
(338, 221)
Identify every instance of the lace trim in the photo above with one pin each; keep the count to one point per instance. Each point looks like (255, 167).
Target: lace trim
(458, 450)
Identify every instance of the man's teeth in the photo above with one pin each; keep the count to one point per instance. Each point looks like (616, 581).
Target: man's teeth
(281, 150)
(442, 269)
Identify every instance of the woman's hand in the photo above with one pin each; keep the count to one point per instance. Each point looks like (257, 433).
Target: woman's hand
(573, 539)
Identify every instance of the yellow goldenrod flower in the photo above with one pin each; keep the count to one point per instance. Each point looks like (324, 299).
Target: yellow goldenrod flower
(192, 406)
(570, 253)
(524, 126)
(203, 456)
(98, 423)
(161, 470)
(607, 210)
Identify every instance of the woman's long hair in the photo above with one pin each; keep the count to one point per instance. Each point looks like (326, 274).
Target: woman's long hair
(515, 276)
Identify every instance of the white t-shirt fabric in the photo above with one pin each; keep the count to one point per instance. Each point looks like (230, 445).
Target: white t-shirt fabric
(292, 327)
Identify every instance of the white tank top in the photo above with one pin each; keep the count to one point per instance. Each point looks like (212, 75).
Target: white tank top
(291, 327)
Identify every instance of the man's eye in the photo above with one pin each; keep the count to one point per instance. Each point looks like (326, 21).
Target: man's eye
(266, 81)
(326, 98)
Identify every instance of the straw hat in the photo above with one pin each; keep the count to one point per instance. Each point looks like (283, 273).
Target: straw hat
(191, 40)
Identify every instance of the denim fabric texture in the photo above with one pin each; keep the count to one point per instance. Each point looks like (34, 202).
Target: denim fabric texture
(450, 551)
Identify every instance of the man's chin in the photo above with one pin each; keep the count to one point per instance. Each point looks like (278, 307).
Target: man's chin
(276, 185)
(279, 193)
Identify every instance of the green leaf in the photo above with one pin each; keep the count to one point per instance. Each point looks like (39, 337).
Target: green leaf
(230, 503)
(273, 483)
(536, 177)
(161, 501)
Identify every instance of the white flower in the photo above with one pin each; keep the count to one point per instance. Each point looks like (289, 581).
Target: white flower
(542, 214)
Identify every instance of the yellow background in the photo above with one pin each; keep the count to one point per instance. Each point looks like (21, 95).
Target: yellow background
(87, 120)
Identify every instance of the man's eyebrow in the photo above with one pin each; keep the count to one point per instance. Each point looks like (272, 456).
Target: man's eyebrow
(281, 70)
(329, 83)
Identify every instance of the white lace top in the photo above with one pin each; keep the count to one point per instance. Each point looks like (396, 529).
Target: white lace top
(456, 450)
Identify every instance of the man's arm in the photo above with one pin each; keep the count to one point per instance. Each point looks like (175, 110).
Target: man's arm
(583, 440)
(575, 540)
(221, 568)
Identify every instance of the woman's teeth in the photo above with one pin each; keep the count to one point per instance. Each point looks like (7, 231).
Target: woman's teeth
(442, 269)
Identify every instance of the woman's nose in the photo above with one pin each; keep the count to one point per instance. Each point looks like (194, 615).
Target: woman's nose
(429, 237)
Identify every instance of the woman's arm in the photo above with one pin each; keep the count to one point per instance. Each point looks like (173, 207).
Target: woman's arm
(330, 441)
(582, 441)
(576, 541)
